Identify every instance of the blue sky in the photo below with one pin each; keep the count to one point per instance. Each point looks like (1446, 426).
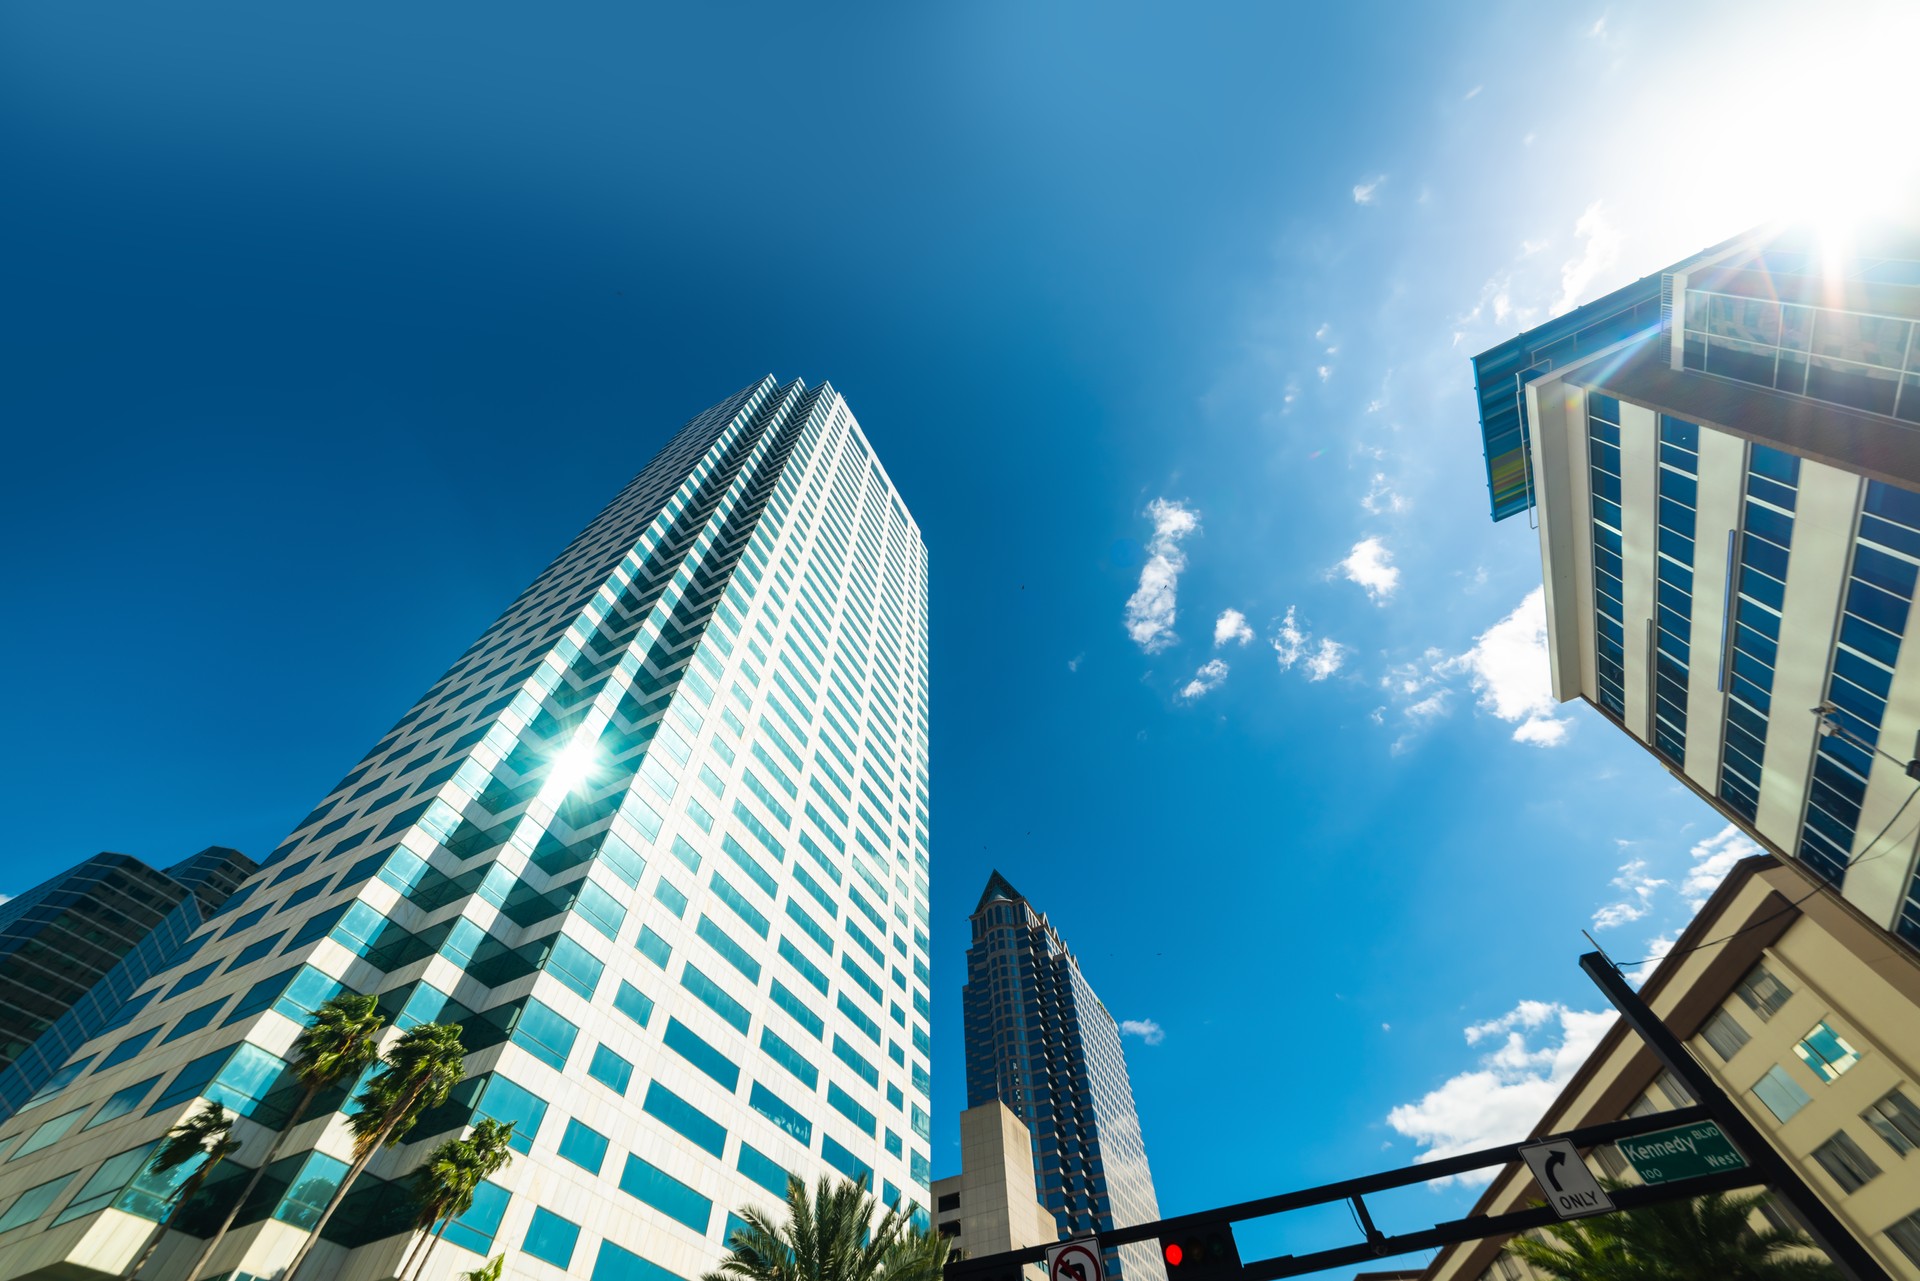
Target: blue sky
(326, 331)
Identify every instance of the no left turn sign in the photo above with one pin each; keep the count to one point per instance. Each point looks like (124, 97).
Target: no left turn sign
(1075, 1260)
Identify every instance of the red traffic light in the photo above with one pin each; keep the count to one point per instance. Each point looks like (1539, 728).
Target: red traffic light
(1205, 1252)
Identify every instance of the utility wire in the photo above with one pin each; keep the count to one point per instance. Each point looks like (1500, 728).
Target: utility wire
(1865, 854)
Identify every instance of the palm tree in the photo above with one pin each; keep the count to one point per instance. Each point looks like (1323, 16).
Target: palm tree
(206, 1135)
(443, 1188)
(1710, 1238)
(341, 1042)
(488, 1271)
(417, 1073)
(831, 1236)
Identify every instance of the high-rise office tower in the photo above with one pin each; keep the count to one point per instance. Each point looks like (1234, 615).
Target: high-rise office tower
(1724, 465)
(658, 842)
(1040, 1041)
(75, 946)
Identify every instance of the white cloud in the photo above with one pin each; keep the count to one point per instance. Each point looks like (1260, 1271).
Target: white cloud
(1598, 30)
(1073, 664)
(1660, 946)
(1150, 610)
(1326, 660)
(1638, 887)
(1371, 565)
(1325, 372)
(1537, 1047)
(1231, 626)
(1713, 858)
(1211, 674)
(1472, 93)
(1364, 192)
(1507, 667)
(1146, 1029)
(1598, 255)
(1380, 498)
(1293, 646)
(1320, 334)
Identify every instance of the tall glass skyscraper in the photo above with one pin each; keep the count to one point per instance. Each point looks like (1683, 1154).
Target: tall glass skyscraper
(659, 843)
(1041, 1042)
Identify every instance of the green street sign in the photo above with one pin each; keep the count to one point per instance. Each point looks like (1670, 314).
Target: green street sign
(1685, 1152)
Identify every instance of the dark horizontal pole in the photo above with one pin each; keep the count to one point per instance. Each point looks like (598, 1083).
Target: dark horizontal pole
(1407, 1176)
(1481, 1226)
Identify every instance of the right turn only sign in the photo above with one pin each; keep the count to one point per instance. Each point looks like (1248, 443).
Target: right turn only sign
(1571, 1189)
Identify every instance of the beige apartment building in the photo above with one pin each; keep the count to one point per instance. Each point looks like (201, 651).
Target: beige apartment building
(1773, 987)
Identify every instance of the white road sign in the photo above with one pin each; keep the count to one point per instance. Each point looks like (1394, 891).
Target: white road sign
(1074, 1260)
(1571, 1189)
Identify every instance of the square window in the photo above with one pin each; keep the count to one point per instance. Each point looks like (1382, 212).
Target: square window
(1895, 1119)
(1763, 993)
(1842, 1158)
(1826, 1052)
(551, 1238)
(194, 1021)
(1724, 1033)
(1780, 1093)
(610, 1070)
(585, 1146)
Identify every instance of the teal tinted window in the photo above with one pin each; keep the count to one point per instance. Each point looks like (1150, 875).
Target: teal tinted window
(748, 864)
(106, 1183)
(307, 1195)
(543, 1033)
(855, 1060)
(122, 1103)
(802, 966)
(260, 996)
(191, 980)
(309, 990)
(690, 1046)
(247, 1079)
(844, 1161)
(33, 1203)
(551, 1238)
(669, 894)
(782, 1114)
(504, 1100)
(616, 1264)
(686, 1120)
(475, 1229)
(810, 927)
(600, 909)
(573, 965)
(734, 954)
(714, 997)
(583, 1145)
(49, 1132)
(741, 907)
(653, 947)
(797, 1010)
(762, 1169)
(131, 1046)
(789, 1058)
(254, 951)
(633, 1003)
(194, 1021)
(686, 853)
(610, 1069)
(655, 1187)
(187, 1082)
(843, 1103)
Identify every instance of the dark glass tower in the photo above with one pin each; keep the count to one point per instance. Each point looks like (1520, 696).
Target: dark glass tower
(1041, 1042)
(111, 916)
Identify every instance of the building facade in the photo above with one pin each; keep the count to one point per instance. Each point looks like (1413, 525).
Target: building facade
(1809, 1017)
(1040, 1041)
(76, 946)
(993, 1205)
(1725, 471)
(658, 842)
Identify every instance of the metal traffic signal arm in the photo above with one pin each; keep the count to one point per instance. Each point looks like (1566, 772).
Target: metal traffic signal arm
(1764, 1166)
(1378, 1245)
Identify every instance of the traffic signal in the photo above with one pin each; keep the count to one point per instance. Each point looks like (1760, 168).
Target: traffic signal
(1205, 1252)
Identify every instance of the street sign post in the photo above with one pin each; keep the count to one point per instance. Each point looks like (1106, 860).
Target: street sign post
(1684, 1152)
(1572, 1191)
(1077, 1260)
